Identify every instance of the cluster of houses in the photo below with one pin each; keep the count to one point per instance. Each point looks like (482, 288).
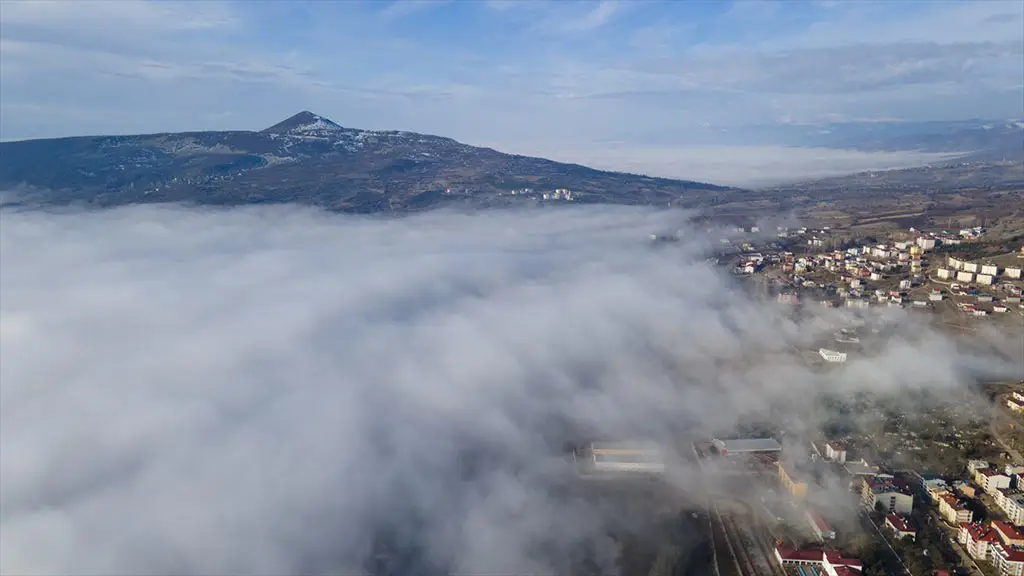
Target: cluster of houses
(997, 542)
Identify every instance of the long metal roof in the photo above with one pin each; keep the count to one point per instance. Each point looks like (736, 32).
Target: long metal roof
(752, 445)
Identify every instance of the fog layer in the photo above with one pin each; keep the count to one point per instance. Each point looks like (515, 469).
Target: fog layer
(261, 391)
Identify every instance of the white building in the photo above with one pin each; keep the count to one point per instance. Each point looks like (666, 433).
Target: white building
(832, 355)
(965, 277)
(955, 263)
(1012, 273)
(943, 273)
(894, 497)
(935, 296)
(1012, 504)
(991, 480)
(899, 526)
(975, 465)
(990, 269)
(835, 452)
(926, 243)
(970, 267)
(984, 279)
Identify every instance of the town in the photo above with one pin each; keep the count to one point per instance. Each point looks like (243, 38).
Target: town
(961, 276)
(841, 503)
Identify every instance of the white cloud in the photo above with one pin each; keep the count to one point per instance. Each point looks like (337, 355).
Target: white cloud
(262, 391)
(595, 18)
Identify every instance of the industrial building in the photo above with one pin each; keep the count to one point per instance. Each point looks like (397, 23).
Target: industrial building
(746, 445)
(642, 457)
(818, 562)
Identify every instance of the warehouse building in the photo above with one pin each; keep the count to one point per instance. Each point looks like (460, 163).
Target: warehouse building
(746, 445)
(623, 457)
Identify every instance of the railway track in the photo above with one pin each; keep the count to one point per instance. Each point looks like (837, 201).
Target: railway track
(750, 551)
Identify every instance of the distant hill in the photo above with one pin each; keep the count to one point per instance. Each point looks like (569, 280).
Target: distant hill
(309, 159)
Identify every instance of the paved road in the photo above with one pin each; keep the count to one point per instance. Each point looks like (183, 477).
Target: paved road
(948, 531)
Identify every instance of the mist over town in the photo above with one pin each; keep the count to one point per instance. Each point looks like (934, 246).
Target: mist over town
(580, 288)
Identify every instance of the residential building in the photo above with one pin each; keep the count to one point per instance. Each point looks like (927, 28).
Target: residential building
(975, 465)
(943, 273)
(1009, 534)
(971, 267)
(1014, 273)
(836, 452)
(991, 480)
(899, 526)
(984, 279)
(1011, 502)
(894, 496)
(990, 269)
(953, 510)
(965, 277)
(977, 539)
(935, 488)
(1008, 560)
(832, 355)
(926, 243)
(791, 481)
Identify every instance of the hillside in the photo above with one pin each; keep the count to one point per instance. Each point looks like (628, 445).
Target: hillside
(308, 159)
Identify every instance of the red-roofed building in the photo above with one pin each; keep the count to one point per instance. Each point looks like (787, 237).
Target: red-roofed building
(821, 529)
(1009, 560)
(977, 539)
(832, 563)
(899, 526)
(1009, 534)
(953, 510)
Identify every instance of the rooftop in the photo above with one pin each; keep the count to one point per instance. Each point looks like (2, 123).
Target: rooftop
(979, 533)
(881, 485)
(1007, 531)
(899, 523)
(752, 445)
(819, 522)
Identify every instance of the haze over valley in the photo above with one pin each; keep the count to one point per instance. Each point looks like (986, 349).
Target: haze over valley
(431, 288)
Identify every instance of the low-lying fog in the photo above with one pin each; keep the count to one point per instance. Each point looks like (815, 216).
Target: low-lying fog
(261, 391)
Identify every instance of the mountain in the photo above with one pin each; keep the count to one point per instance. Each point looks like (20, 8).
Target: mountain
(309, 159)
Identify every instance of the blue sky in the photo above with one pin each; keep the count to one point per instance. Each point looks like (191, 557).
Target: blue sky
(516, 74)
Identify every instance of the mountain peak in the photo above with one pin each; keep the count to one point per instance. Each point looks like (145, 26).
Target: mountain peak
(303, 122)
